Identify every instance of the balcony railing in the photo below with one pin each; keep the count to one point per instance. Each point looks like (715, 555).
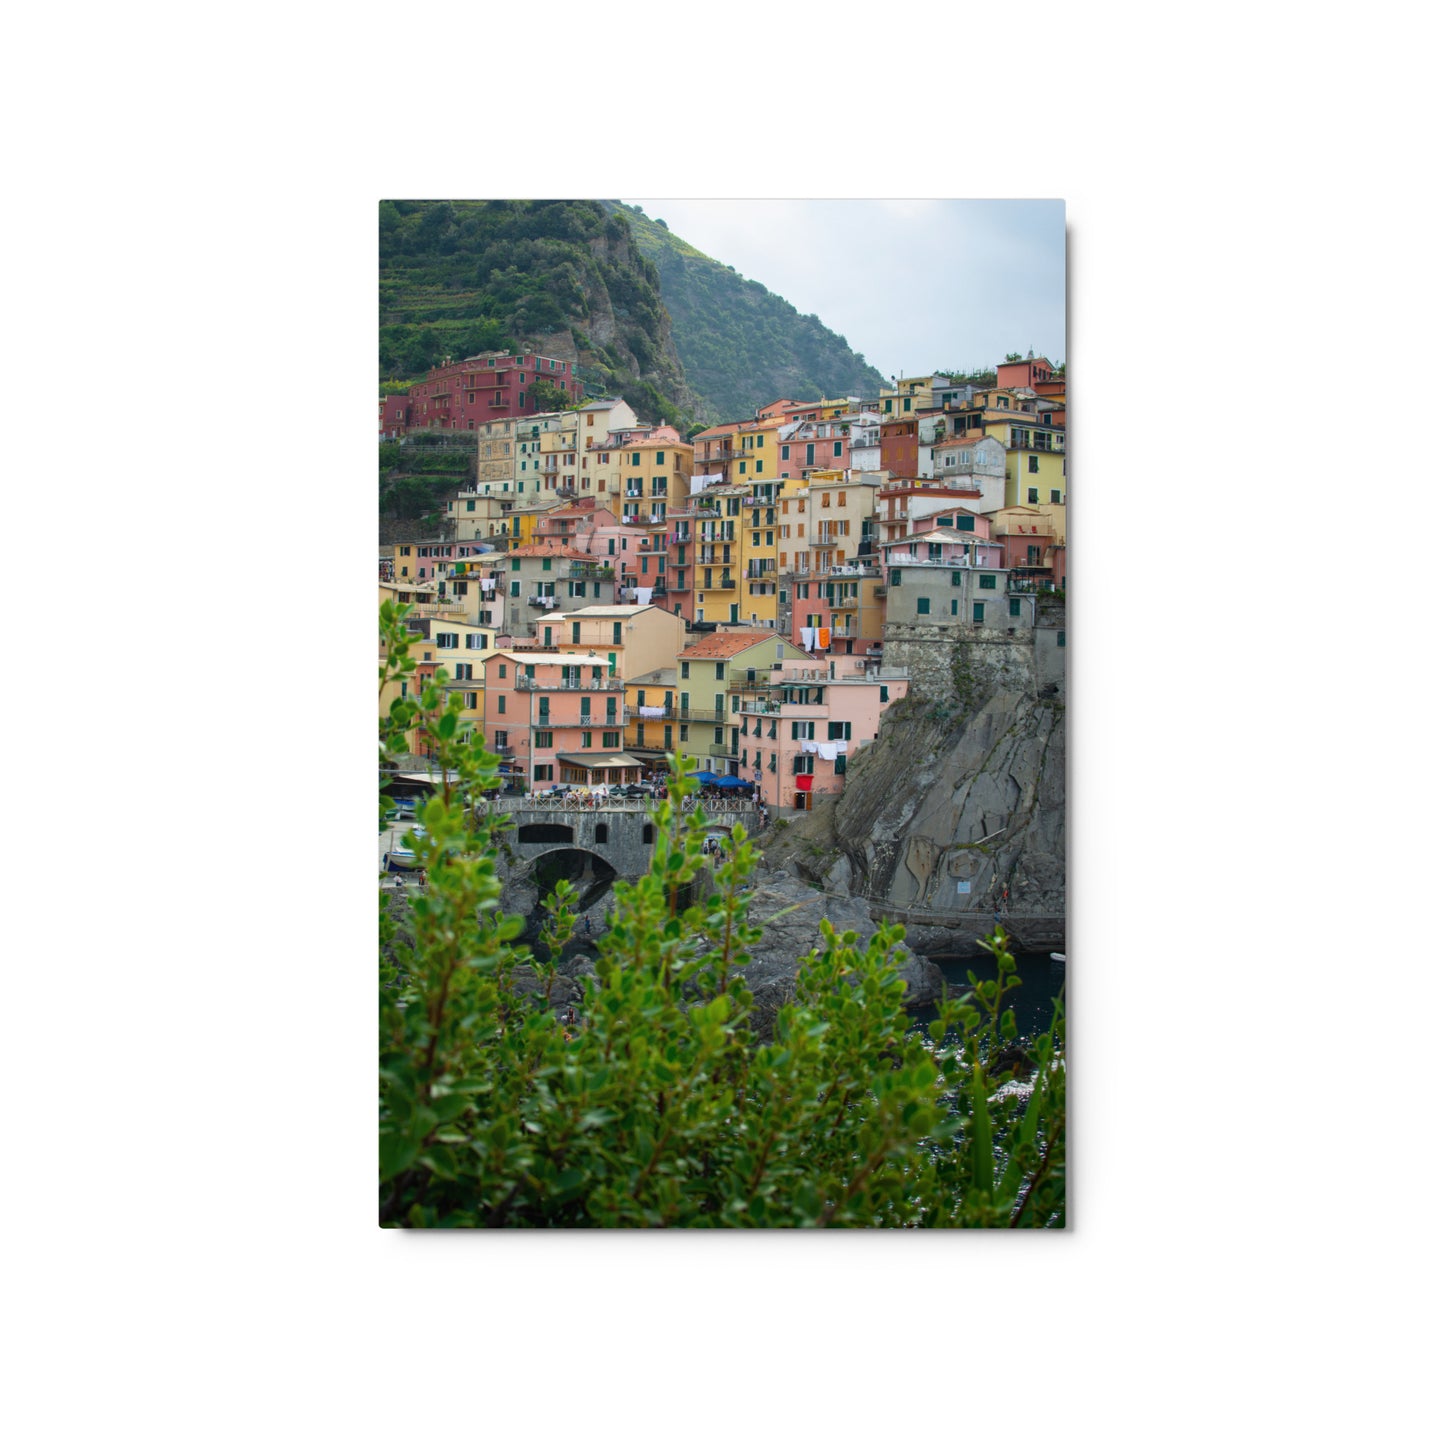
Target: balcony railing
(544, 600)
(568, 684)
(1031, 584)
(717, 584)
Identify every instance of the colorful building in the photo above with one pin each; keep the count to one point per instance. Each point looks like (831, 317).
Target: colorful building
(466, 395)
(555, 717)
(716, 675)
(812, 720)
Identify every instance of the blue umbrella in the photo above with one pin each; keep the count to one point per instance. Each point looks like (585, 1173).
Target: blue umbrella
(733, 783)
(704, 777)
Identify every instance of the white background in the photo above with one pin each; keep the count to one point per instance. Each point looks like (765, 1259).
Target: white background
(1254, 729)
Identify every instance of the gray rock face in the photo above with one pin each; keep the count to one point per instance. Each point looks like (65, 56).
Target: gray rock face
(947, 809)
(789, 912)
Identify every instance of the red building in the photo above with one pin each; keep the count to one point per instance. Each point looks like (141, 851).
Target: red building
(492, 386)
(899, 446)
(1035, 372)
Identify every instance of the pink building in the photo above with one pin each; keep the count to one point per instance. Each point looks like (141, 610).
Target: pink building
(465, 395)
(804, 446)
(820, 716)
(543, 707)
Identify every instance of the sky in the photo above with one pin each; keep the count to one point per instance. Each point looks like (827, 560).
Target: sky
(914, 285)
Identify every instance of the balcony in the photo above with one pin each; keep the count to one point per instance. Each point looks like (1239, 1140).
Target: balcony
(723, 584)
(592, 571)
(543, 600)
(828, 539)
(568, 684)
(1031, 583)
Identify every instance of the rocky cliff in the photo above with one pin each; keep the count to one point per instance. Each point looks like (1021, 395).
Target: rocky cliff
(955, 802)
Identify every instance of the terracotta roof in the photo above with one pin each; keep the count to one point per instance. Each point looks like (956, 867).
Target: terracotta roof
(539, 549)
(727, 644)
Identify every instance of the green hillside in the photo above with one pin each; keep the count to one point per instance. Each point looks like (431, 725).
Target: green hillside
(741, 345)
(561, 277)
(682, 337)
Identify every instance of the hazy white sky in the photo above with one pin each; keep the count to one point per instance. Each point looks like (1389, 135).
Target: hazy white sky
(912, 285)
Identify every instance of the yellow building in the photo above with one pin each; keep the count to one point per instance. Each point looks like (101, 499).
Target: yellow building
(450, 643)
(654, 726)
(911, 394)
(755, 450)
(759, 534)
(716, 555)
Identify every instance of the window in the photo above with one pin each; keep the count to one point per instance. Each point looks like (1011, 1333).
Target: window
(1033, 464)
(923, 606)
(469, 700)
(611, 740)
(717, 737)
(842, 730)
(1058, 639)
(988, 581)
(1056, 496)
(966, 523)
(895, 576)
(616, 632)
(686, 672)
(601, 834)
(978, 611)
(1033, 494)
(544, 740)
(785, 452)
(542, 772)
(1013, 607)
(501, 702)
(476, 640)
(718, 669)
(957, 579)
(516, 589)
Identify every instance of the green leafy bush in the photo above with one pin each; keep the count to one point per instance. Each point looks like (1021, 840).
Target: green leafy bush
(659, 1106)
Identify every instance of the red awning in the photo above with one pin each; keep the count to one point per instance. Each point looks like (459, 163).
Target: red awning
(803, 782)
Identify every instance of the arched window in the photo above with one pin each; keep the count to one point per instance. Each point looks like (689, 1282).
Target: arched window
(647, 832)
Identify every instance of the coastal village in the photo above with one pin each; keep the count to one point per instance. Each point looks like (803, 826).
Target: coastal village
(605, 592)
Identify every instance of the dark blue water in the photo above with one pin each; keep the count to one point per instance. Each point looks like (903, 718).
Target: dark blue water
(1041, 982)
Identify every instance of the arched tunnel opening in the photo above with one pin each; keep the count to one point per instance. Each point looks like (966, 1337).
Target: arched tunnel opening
(590, 874)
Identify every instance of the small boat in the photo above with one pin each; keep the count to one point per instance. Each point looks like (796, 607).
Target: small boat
(401, 857)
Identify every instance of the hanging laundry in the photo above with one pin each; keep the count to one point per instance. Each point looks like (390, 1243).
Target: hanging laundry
(824, 634)
(644, 596)
(828, 751)
(651, 711)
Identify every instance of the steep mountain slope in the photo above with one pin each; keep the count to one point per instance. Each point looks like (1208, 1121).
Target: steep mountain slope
(742, 345)
(564, 278)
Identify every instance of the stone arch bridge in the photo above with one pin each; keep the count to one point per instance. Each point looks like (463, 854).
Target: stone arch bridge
(619, 831)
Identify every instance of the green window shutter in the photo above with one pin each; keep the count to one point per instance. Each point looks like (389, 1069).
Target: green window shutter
(978, 611)
(1013, 607)
(923, 606)
(966, 523)
(988, 582)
